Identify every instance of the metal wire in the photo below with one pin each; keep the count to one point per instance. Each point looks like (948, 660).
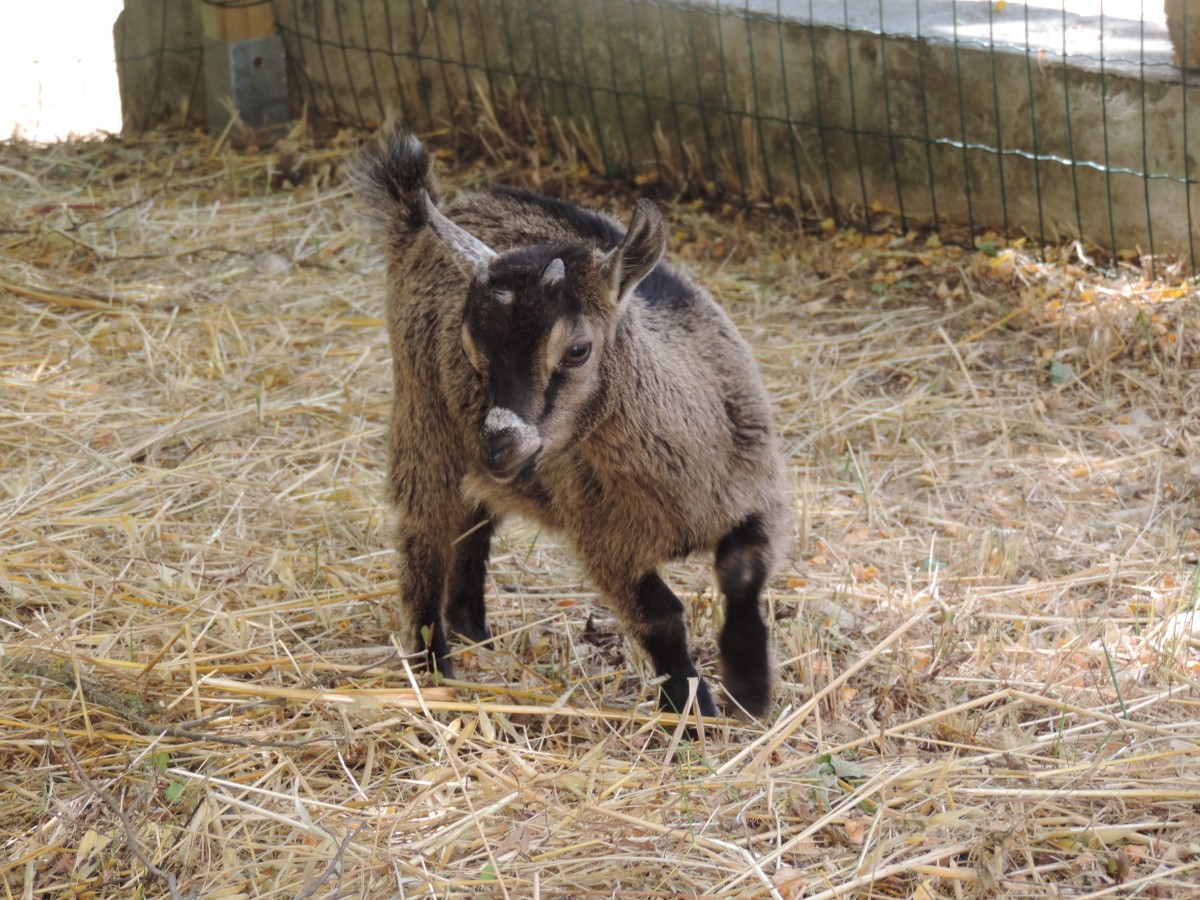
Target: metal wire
(831, 194)
(1033, 134)
(897, 185)
(740, 96)
(1066, 73)
(962, 122)
(1108, 192)
(1145, 148)
(924, 98)
(855, 130)
(1187, 176)
(997, 116)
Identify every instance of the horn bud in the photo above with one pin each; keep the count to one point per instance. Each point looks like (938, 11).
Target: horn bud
(555, 272)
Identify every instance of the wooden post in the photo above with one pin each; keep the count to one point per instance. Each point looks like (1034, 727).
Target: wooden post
(237, 23)
(244, 64)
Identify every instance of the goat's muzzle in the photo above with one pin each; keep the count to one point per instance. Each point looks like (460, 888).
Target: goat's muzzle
(508, 445)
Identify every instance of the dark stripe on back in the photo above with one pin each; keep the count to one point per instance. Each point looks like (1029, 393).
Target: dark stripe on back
(662, 287)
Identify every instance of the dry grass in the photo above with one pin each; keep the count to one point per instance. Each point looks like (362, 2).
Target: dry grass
(987, 639)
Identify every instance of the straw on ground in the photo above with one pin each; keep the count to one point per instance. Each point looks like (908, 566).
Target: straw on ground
(988, 647)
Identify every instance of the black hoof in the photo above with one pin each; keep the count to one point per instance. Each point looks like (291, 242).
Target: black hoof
(472, 632)
(751, 689)
(434, 656)
(673, 697)
(429, 662)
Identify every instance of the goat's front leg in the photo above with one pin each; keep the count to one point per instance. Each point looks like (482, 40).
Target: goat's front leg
(653, 615)
(421, 567)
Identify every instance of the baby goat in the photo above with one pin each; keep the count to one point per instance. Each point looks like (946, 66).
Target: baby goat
(547, 363)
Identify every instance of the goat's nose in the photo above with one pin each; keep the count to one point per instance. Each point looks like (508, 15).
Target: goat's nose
(497, 444)
(507, 443)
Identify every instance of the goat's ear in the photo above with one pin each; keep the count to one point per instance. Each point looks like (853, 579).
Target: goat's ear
(637, 254)
(471, 254)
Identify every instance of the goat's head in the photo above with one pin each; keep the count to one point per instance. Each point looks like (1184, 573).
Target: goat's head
(537, 325)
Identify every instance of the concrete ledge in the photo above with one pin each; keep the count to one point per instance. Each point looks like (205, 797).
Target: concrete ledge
(1130, 33)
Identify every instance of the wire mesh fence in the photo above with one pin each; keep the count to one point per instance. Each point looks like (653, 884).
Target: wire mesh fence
(160, 64)
(1064, 119)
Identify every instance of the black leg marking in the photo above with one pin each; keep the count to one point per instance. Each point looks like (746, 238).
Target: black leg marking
(743, 562)
(466, 613)
(421, 569)
(659, 628)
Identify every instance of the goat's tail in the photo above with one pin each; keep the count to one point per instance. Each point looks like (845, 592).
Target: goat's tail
(392, 179)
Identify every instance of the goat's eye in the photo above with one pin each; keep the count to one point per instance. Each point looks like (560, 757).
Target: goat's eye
(577, 355)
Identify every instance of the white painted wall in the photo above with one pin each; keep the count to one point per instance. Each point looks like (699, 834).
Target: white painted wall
(58, 76)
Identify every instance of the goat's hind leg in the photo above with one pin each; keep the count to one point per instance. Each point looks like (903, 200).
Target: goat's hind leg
(466, 612)
(743, 564)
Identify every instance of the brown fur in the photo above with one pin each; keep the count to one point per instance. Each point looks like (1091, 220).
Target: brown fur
(658, 445)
